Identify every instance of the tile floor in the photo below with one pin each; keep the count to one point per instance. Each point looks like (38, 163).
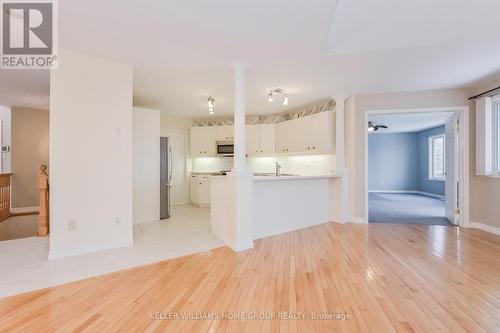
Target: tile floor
(24, 266)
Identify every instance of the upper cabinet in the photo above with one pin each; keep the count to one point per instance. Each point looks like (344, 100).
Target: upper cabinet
(261, 139)
(321, 135)
(312, 133)
(224, 133)
(202, 141)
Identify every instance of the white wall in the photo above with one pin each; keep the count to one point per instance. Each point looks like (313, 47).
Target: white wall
(90, 155)
(146, 164)
(5, 118)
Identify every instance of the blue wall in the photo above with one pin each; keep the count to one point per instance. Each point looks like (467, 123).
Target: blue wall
(399, 162)
(424, 184)
(393, 162)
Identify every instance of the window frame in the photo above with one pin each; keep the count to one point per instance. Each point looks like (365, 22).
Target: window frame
(496, 134)
(431, 157)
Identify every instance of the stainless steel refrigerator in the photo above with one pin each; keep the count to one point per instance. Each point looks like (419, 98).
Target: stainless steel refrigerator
(165, 177)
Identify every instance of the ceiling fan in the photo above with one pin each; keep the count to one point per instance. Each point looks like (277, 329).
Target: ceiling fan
(374, 127)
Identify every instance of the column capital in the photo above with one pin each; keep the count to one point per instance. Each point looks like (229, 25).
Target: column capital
(239, 65)
(339, 98)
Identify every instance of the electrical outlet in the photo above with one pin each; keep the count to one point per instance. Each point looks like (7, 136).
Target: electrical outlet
(117, 220)
(72, 225)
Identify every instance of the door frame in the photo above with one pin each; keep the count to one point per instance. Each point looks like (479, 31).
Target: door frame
(166, 132)
(462, 158)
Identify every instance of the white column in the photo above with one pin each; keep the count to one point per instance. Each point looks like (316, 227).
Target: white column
(339, 205)
(339, 131)
(240, 179)
(239, 68)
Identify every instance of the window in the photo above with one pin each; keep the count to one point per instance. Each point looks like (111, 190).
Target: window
(496, 134)
(436, 158)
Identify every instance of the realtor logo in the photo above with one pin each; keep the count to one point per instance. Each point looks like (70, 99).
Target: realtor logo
(29, 34)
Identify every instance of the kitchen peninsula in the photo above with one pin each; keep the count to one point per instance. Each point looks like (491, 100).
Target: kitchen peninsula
(279, 204)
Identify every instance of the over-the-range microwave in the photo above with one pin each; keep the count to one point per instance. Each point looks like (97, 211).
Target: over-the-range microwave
(225, 148)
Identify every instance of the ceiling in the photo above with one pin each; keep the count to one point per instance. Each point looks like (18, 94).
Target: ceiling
(408, 122)
(181, 51)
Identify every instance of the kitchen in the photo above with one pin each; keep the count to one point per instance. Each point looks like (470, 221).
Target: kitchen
(292, 160)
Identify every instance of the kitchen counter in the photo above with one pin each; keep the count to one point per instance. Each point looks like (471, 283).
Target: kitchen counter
(278, 204)
(274, 178)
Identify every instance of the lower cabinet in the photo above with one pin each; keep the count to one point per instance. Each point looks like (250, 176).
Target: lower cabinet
(200, 190)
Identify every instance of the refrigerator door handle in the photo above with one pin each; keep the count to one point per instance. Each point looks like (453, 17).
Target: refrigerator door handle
(171, 160)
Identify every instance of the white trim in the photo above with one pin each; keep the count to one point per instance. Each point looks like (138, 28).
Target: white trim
(238, 247)
(463, 153)
(427, 194)
(20, 210)
(485, 227)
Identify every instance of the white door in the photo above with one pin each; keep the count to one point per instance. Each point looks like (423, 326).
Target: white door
(177, 140)
(451, 180)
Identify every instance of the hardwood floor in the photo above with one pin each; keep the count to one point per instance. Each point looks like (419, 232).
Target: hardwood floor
(386, 278)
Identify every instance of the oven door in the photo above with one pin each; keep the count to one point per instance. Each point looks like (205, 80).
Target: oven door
(225, 148)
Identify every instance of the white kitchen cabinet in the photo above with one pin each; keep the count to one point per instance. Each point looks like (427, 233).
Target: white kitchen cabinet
(224, 133)
(312, 133)
(252, 139)
(321, 136)
(267, 134)
(261, 139)
(282, 130)
(290, 136)
(202, 141)
(200, 190)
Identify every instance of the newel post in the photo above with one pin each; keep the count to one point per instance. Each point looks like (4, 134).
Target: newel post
(43, 187)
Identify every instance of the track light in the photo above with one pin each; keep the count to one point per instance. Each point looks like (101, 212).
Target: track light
(280, 91)
(211, 102)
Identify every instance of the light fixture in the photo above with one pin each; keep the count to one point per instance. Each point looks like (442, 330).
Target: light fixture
(211, 102)
(278, 91)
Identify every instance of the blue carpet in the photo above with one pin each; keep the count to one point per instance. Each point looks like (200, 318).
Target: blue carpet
(406, 208)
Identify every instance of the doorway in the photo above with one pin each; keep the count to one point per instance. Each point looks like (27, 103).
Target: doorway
(416, 166)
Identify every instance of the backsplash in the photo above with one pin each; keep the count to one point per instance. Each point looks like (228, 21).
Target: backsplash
(307, 165)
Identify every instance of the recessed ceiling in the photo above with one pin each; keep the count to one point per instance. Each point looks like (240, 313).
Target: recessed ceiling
(373, 25)
(181, 51)
(409, 122)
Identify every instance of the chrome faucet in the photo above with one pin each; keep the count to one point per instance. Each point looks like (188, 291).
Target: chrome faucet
(278, 169)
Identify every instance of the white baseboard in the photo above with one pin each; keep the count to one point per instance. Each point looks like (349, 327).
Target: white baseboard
(238, 247)
(485, 227)
(438, 196)
(196, 204)
(20, 210)
(356, 220)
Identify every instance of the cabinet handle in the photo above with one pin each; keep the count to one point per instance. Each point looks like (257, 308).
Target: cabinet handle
(308, 148)
(314, 147)
(261, 151)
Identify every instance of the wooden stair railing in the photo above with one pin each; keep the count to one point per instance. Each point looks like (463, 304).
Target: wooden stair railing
(5, 186)
(43, 186)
